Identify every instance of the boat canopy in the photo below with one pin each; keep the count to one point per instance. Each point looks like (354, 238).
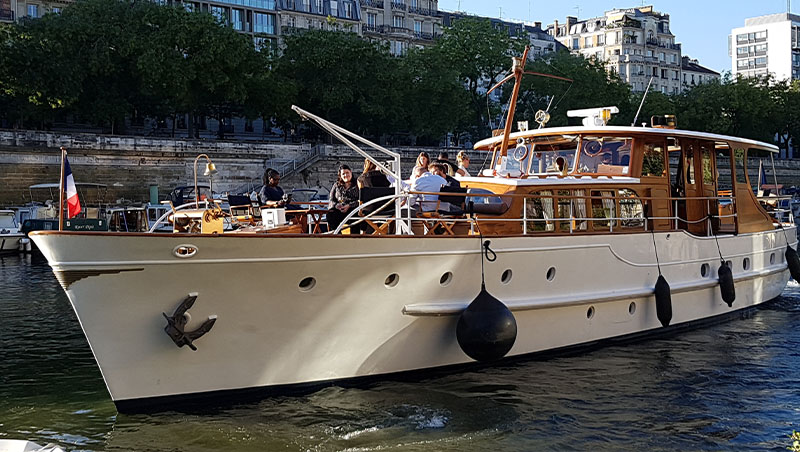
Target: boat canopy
(489, 144)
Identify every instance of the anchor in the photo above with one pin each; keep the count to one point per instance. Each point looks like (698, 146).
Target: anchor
(177, 322)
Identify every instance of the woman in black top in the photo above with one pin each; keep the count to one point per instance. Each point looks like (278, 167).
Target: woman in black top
(371, 177)
(343, 197)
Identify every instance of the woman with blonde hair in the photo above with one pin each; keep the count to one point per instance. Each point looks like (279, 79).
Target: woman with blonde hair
(463, 163)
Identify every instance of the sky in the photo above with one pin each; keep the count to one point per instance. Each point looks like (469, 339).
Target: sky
(702, 26)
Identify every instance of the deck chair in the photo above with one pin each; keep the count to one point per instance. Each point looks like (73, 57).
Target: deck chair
(241, 208)
(381, 220)
(441, 220)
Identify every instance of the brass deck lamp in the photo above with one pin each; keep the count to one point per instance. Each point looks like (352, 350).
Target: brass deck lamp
(210, 171)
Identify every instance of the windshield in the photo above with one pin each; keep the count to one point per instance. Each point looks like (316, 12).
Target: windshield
(545, 155)
(605, 155)
(7, 220)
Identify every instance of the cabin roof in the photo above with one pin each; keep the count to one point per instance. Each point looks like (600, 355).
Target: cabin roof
(489, 143)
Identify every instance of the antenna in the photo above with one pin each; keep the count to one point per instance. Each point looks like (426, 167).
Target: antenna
(578, 9)
(642, 103)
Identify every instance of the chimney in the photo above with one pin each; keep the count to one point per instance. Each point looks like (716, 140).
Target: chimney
(537, 25)
(571, 20)
(555, 28)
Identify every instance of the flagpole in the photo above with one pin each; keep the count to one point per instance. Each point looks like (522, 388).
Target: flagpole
(61, 192)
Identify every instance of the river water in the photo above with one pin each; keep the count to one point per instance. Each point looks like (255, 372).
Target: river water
(731, 386)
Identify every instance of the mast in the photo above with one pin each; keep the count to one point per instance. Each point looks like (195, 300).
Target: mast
(519, 69)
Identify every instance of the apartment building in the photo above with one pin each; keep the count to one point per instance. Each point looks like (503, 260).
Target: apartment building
(11, 10)
(298, 15)
(401, 23)
(766, 45)
(636, 43)
(693, 74)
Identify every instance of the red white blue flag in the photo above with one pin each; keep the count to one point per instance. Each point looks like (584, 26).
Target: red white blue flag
(73, 203)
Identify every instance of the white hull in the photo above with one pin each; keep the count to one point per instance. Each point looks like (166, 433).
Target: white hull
(350, 324)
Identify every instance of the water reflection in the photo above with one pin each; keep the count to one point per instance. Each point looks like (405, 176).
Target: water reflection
(727, 386)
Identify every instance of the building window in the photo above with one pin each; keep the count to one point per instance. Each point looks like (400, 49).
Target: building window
(372, 19)
(348, 10)
(56, 10)
(264, 23)
(236, 19)
(219, 13)
(587, 41)
(418, 27)
(398, 22)
(319, 6)
(575, 43)
(601, 39)
(33, 10)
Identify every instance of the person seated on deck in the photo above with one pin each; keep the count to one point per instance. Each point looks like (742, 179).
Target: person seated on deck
(343, 197)
(372, 177)
(431, 182)
(271, 194)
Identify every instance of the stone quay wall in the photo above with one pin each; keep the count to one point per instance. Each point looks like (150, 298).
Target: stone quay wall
(129, 165)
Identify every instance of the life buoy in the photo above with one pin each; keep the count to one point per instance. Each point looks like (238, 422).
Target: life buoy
(593, 148)
(520, 152)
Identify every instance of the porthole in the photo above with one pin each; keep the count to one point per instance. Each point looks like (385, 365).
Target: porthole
(392, 280)
(746, 263)
(184, 251)
(590, 312)
(771, 258)
(704, 270)
(307, 284)
(632, 308)
(446, 278)
(506, 277)
(551, 273)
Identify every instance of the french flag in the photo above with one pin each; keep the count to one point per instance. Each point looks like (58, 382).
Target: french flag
(73, 203)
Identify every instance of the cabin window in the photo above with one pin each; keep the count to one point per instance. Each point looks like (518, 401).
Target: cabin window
(630, 209)
(605, 156)
(653, 160)
(565, 210)
(539, 212)
(708, 175)
(603, 210)
(739, 158)
(579, 211)
(690, 180)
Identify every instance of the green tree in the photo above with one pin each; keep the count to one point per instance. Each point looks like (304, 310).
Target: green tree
(435, 100)
(591, 86)
(345, 79)
(481, 55)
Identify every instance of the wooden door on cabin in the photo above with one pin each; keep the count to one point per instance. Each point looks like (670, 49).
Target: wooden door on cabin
(696, 209)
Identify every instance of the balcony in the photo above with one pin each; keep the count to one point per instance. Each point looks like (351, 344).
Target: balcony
(399, 5)
(377, 29)
(420, 11)
(397, 30)
(7, 15)
(423, 36)
(372, 3)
